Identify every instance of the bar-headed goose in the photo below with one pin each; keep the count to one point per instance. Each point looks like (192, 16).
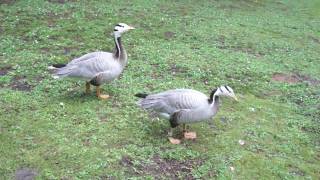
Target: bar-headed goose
(183, 106)
(97, 68)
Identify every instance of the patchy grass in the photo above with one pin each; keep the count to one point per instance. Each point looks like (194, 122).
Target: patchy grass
(268, 51)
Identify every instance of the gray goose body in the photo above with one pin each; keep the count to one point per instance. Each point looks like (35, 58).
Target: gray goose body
(97, 68)
(103, 66)
(182, 105)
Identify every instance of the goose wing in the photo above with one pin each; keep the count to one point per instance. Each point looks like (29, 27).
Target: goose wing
(88, 66)
(190, 115)
(98, 54)
(174, 100)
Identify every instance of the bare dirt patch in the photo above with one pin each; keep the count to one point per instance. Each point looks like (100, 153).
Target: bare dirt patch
(68, 50)
(20, 83)
(155, 74)
(176, 69)
(53, 18)
(315, 39)
(287, 78)
(294, 78)
(162, 168)
(45, 50)
(103, 119)
(266, 94)
(169, 35)
(281, 6)
(105, 177)
(126, 161)
(25, 174)
(5, 70)
(8, 2)
(245, 48)
(296, 171)
(58, 1)
(246, 5)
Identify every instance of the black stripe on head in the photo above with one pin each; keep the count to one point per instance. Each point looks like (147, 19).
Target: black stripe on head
(115, 29)
(119, 25)
(227, 89)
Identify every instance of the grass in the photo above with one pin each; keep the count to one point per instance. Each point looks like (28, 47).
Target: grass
(54, 130)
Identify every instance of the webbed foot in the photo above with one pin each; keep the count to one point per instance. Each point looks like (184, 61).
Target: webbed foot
(104, 96)
(174, 141)
(190, 135)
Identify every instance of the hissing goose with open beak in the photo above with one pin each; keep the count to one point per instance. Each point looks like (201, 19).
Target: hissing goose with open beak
(183, 106)
(97, 68)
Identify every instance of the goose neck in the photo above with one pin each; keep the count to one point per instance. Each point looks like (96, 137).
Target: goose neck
(215, 99)
(119, 52)
(212, 96)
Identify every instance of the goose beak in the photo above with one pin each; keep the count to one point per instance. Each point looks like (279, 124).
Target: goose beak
(235, 98)
(130, 27)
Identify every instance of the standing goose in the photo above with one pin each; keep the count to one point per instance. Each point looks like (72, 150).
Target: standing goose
(97, 68)
(183, 106)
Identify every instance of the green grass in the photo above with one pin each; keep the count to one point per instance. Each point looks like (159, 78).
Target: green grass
(53, 128)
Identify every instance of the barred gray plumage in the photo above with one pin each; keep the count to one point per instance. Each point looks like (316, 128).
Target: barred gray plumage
(97, 68)
(183, 106)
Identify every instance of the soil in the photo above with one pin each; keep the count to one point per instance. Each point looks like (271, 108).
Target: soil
(169, 35)
(294, 78)
(5, 70)
(68, 50)
(8, 2)
(314, 39)
(19, 83)
(296, 171)
(25, 174)
(240, 48)
(58, 1)
(177, 69)
(161, 167)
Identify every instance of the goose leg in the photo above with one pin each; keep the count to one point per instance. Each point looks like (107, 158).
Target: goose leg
(101, 96)
(171, 139)
(184, 128)
(189, 135)
(87, 87)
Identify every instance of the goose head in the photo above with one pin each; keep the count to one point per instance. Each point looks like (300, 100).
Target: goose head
(121, 28)
(225, 91)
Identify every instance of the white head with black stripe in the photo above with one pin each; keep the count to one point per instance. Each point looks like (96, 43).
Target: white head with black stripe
(225, 91)
(121, 28)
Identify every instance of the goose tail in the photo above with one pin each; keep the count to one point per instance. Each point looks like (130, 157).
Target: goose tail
(56, 66)
(141, 95)
(58, 70)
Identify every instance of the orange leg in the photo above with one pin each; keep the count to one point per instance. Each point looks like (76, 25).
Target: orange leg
(190, 135)
(187, 134)
(101, 96)
(171, 139)
(87, 87)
